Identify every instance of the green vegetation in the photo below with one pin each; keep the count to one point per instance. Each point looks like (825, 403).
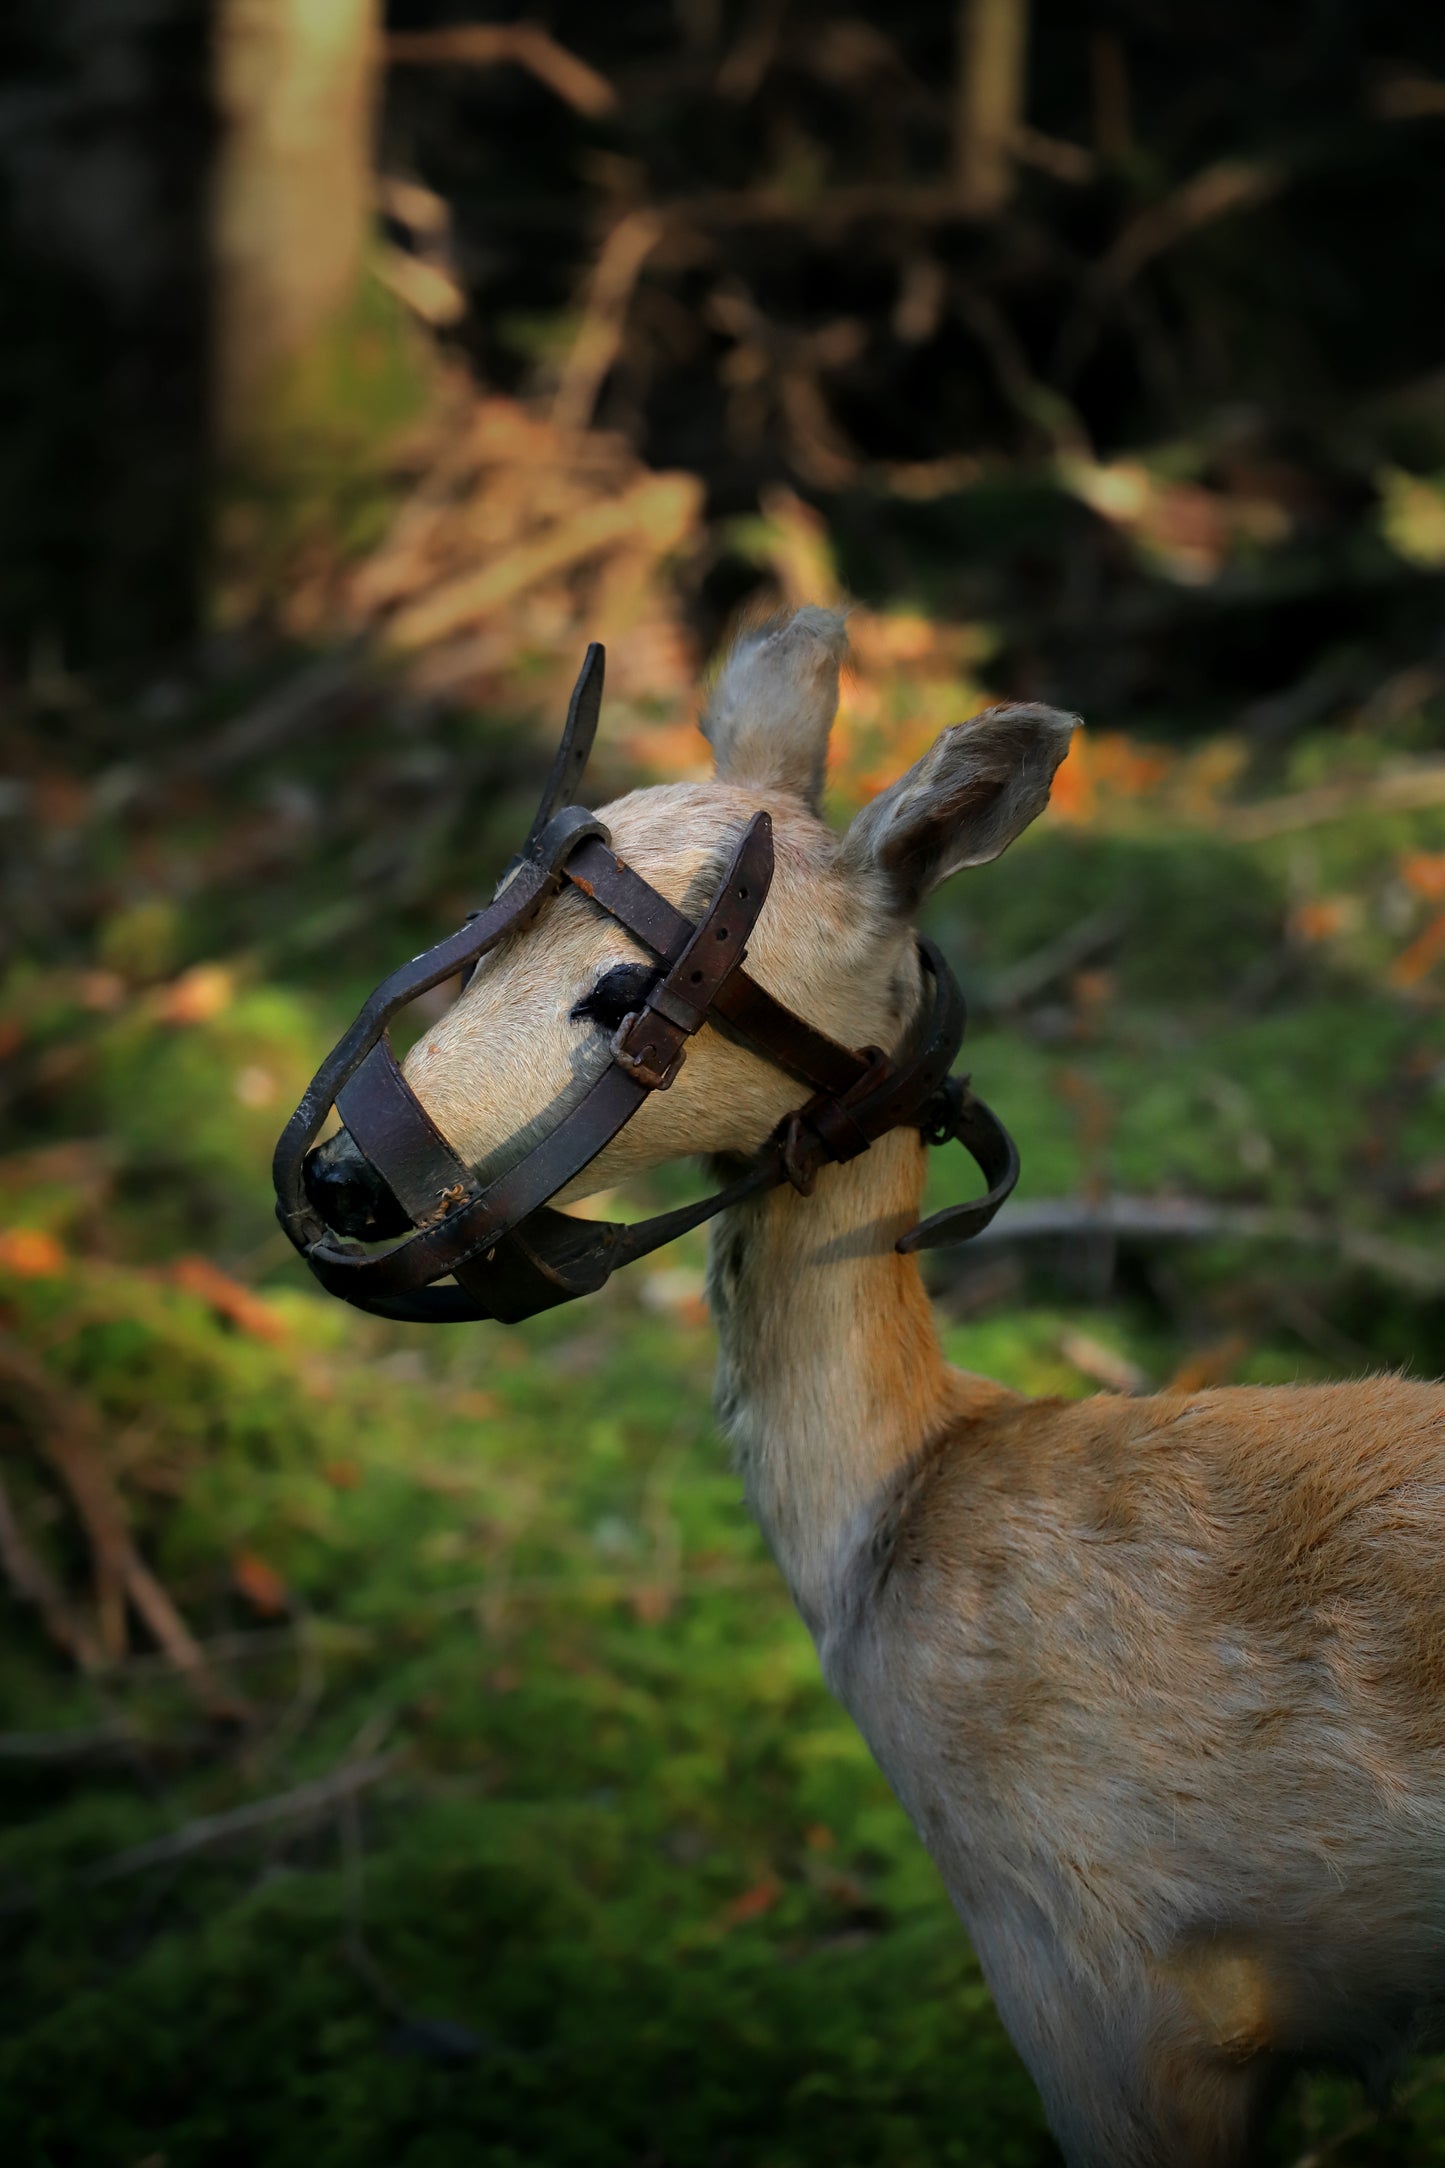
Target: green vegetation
(616, 1881)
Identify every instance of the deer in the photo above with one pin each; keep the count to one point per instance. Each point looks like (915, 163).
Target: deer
(1159, 1680)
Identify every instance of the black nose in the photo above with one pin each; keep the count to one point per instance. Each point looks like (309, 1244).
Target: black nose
(349, 1194)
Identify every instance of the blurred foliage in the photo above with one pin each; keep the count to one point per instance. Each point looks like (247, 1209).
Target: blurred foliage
(557, 1851)
(626, 1886)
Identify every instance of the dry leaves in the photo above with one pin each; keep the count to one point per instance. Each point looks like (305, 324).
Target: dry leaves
(227, 1297)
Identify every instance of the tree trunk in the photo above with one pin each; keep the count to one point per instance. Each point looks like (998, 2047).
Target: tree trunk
(296, 88)
(992, 52)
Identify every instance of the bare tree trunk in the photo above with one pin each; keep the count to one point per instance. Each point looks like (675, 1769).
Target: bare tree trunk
(296, 88)
(992, 53)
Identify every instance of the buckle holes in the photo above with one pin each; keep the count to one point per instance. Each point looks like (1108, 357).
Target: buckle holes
(722, 933)
(696, 979)
(742, 895)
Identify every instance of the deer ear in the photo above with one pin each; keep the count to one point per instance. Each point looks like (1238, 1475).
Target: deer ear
(975, 789)
(773, 704)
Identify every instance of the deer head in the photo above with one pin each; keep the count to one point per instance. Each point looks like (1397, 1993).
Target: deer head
(834, 941)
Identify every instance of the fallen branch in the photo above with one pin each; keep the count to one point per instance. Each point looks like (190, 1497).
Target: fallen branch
(68, 1433)
(522, 45)
(604, 319)
(1221, 189)
(208, 1831)
(66, 1746)
(303, 1802)
(1032, 975)
(1195, 1219)
(1402, 790)
(314, 696)
(29, 1582)
(1217, 192)
(658, 511)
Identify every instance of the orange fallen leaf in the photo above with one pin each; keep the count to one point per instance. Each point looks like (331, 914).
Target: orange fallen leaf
(342, 1474)
(753, 1902)
(103, 992)
(227, 1297)
(651, 1603)
(199, 994)
(30, 1253)
(480, 1405)
(1320, 919)
(1423, 873)
(818, 1837)
(1420, 958)
(1213, 1365)
(260, 1584)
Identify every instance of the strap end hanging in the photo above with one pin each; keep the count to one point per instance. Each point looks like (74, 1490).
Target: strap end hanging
(564, 779)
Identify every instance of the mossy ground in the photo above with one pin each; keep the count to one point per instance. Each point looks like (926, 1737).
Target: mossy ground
(629, 1890)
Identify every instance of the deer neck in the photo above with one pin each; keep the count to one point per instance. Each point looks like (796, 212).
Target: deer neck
(831, 1382)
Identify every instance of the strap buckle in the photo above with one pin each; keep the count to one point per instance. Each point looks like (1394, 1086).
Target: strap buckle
(938, 1121)
(651, 1063)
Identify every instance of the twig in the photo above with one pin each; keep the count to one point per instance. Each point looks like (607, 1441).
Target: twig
(610, 289)
(1408, 97)
(658, 510)
(1227, 186)
(358, 1949)
(303, 1802)
(30, 1583)
(69, 1435)
(256, 1643)
(1061, 160)
(524, 45)
(1105, 1365)
(1232, 184)
(988, 101)
(63, 1746)
(303, 702)
(1037, 403)
(1368, 2119)
(904, 202)
(1404, 790)
(1029, 977)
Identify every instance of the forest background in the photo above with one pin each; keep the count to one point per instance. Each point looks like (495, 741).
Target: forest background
(408, 1754)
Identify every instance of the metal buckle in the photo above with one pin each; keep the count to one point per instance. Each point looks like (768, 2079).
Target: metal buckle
(939, 1119)
(638, 1065)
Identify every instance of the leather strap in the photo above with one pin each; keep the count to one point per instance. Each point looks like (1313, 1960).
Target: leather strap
(508, 1252)
(646, 1053)
(390, 1126)
(749, 1009)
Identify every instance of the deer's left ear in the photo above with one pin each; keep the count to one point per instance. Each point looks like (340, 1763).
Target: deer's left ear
(975, 789)
(773, 704)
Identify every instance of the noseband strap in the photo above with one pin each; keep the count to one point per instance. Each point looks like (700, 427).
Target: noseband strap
(505, 1253)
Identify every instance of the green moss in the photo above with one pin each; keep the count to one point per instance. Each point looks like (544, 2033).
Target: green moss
(628, 1839)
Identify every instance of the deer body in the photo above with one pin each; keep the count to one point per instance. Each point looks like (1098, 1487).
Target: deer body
(1160, 1682)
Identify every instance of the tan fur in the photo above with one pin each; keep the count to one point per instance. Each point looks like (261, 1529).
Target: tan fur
(1161, 1682)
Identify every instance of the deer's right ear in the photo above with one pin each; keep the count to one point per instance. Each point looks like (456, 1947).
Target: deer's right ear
(773, 704)
(975, 789)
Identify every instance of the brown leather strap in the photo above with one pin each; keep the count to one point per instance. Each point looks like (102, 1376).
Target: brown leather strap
(392, 1128)
(651, 1042)
(748, 1008)
(514, 907)
(510, 1255)
(645, 1058)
